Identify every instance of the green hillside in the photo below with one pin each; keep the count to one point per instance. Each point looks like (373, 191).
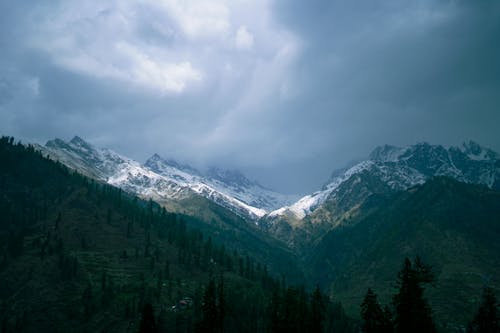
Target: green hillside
(455, 227)
(79, 256)
(235, 232)
(83, 256)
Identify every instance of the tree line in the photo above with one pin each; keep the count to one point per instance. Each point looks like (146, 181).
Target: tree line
(411, 313)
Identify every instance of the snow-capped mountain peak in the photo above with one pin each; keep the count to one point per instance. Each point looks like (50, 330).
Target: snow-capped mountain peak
(77, 141)
(387, 153)
(309, 203)
(171, 169)
(475, 152)
(166, 179)
(399, 168)
(392, 168)
(228, 182)
(230, 177)
(80, 155)
(156, 161)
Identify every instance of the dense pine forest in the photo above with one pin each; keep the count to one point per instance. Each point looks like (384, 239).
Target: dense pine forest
(82, 256)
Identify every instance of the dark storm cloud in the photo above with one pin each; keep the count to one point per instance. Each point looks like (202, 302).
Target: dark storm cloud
(389, 71)
(285, 90)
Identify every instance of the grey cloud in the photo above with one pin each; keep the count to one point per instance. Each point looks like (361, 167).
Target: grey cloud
(331, 80)
(396, 72)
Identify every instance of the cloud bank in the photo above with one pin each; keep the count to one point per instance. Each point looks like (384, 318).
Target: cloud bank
(285, 90)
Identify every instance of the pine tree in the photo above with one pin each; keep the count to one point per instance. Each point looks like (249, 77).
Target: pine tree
(375, 320)
(293, 311)
(387, 325)
(412, 313)
(209, 308)
(221, 304)
(88, 303)
(487, 318)
(275, 311)
(317, 310)
(148, 324)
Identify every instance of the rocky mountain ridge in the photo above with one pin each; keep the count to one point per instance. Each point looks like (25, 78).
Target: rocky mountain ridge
(161, 179)
(387, 169)
(403, 167)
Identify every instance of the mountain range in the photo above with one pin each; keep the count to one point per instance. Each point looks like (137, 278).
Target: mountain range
(388, 169)
(401, 168)
(395, 168)
(294, 220)
(166, 180)
(441, 203)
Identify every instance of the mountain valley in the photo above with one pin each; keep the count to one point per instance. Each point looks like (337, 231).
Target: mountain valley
(441, 204)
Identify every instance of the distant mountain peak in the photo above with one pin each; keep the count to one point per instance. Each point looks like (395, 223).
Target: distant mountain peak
(154, 160)
(167, 179)
(472, 146)
(81, 144)
(55, 143)
(155, 157)
(427, 151)
(75, 142)
(156, 163)
(78, 141)
(475, 151)
(392, 168)
(232, 177)
(386, 153)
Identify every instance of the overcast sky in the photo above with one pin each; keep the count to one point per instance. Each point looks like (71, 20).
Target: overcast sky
(286, 91)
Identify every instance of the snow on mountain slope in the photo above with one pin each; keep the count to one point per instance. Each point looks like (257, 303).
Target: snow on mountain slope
(401, 168)
(397, 167)
(308, 203)
(111, 167)
(78, 154)
(161, 179)
(231, 184)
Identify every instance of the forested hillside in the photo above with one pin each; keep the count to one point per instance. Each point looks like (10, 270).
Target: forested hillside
(453, 226)
(82, 256)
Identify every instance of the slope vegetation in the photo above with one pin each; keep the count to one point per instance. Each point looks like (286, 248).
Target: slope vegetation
(453, 226)
(78, 255)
